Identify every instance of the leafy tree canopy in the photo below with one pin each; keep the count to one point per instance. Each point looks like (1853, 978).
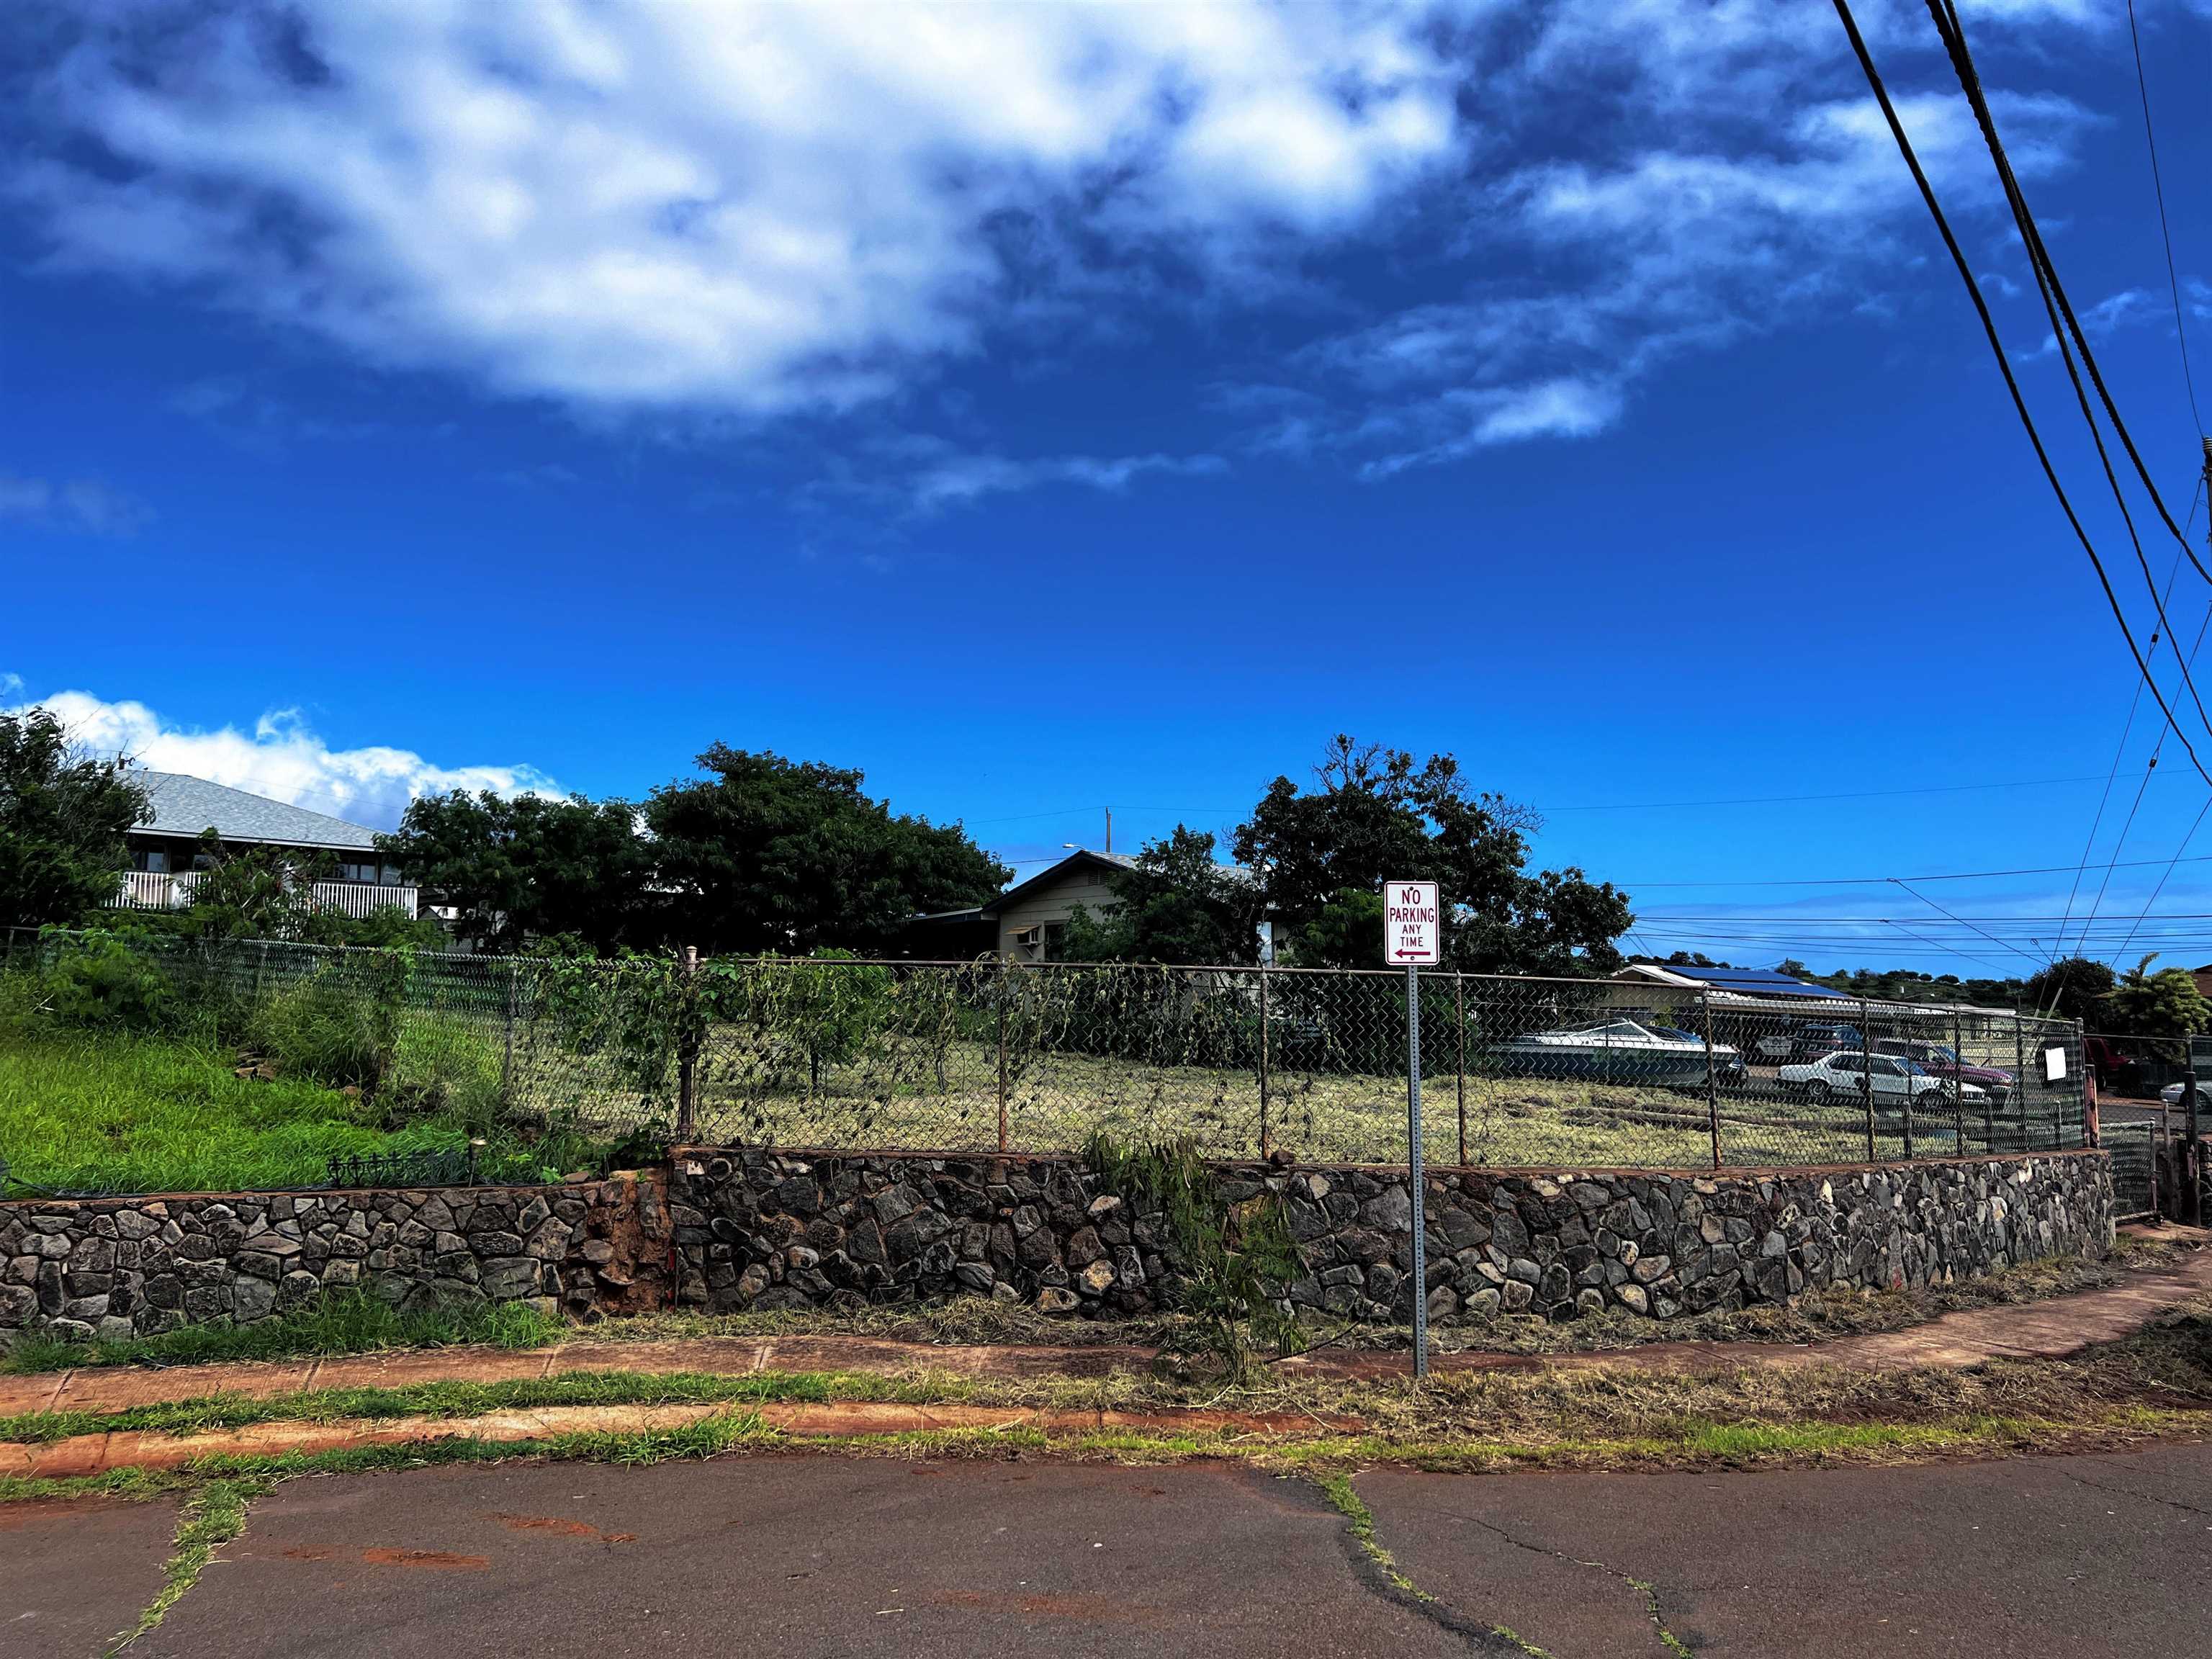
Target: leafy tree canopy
(770, 855)
(1176, 904)
(2165, 1003)
(532, 867)
(62, 822)
(1374, 815)
(2073, 987)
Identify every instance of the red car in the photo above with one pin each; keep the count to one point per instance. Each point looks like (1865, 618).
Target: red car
(1940, 1060)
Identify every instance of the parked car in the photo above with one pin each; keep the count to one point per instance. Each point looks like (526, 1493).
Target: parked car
(1620, 1050)
(1941, 1060)
(2172, 1093)
(1844, 1076)
(1798, 1043)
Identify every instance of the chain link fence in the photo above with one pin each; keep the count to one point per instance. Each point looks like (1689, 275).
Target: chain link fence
(828, 1052)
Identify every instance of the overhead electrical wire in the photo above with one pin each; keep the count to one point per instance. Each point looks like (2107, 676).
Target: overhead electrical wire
(2058, 943)
(2065, 325)
(2004, 366)
(2158, 190)
(1963, 922)
(1954, 35)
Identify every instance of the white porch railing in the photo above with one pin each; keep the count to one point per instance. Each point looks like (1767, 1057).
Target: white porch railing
(148, 889)
(358, 898)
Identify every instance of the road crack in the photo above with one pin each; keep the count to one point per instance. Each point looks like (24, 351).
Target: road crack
(211, 1517)
(2141, 1497)
(1384, 1576)
(1642, 1586)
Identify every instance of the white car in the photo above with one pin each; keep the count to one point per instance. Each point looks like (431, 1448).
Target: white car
(1844, 1076)
(2172, 1093)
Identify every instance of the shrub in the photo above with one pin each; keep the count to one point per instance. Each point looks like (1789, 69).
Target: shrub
(340, 1024)
(1232, 1262)
(103, 983)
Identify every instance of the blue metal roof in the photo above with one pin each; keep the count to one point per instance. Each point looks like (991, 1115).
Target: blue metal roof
(1754, 981)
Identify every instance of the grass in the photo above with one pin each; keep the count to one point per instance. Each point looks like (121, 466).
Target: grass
(111, 1112)
(1056, 1098)
(210, 1517)
(344, 1322)
(2157, 1384)
(1815, 1316)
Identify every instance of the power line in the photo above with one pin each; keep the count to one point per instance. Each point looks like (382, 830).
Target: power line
(2004, 365)
(1852, 795)
(2053, 292)
(1952, 33)
(2058, 943)
(1947, 951)
(2158, 189)
(1878, 881)
(1963, 922)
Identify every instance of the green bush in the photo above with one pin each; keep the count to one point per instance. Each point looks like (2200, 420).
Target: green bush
(340, 1024)
(440, 1064)
(103, 984)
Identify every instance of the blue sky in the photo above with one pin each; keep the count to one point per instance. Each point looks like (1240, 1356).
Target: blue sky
(1050, 408)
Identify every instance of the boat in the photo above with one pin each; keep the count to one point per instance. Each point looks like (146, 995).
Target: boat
(1620, 1050)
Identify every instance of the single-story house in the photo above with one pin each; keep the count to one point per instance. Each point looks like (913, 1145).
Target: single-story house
(165, 856)
(1024, 923)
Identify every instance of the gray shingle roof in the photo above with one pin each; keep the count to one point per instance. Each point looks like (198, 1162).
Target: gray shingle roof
(182, 805)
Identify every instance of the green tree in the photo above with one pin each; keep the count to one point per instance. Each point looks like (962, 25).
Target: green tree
(1175, 905)
(533, 867)
(262, 892)
(1374, 814)
(2073, 987)
(62, 822)
(2165, 1003)
(787, 857)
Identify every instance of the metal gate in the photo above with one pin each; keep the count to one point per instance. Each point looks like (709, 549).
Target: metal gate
(2133, 1149)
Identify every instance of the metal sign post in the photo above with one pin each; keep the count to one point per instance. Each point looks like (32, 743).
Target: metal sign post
(1411, 937)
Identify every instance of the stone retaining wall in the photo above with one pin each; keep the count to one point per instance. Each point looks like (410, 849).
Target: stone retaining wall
(134, 1266)
(765, 1230)
(779, 1229)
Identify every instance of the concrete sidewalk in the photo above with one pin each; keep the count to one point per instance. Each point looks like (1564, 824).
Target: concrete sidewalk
(2049, 1329)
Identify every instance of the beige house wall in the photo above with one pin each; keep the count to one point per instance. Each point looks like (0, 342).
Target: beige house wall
(1051, 908)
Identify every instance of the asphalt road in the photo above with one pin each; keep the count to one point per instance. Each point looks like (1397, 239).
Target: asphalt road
(805, 1556)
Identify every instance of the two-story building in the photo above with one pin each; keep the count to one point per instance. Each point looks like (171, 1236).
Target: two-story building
(166, 856)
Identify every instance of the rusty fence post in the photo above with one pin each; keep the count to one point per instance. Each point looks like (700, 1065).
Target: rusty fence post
(2192, 1151)
(1266, 1141)
(1005, 990)
(1459, 1021)
(1712, 1077)
(687, 1044)
(2162, 1144)
(2188, 1202)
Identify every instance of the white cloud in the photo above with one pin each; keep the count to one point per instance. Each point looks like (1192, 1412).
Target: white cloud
(281, 758)
(958, 479)
(757, 206)
(79, 506)
(2125, 309)
(784, 210)
(1663, 251)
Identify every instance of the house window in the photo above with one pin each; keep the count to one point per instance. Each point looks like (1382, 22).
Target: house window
(366, 873)
(149, 859)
